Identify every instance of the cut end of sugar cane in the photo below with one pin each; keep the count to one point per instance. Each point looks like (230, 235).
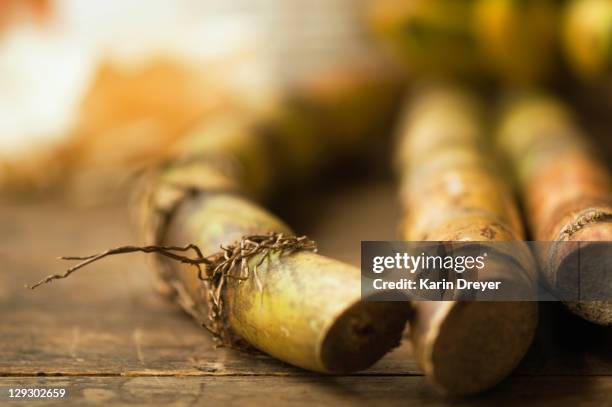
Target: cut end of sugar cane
(467, 347)
(362, 335)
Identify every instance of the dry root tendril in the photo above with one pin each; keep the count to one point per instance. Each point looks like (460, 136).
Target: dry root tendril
(213, 270)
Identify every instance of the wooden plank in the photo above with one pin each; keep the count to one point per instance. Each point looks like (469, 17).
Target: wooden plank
(109, 320)
(309, 391)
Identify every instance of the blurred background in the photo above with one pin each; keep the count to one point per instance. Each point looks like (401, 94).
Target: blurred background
(92, 93)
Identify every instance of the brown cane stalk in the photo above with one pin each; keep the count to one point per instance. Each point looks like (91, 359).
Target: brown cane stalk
(452, 191)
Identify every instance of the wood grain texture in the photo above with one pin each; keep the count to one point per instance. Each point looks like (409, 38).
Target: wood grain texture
(111, 338)
(308, 391)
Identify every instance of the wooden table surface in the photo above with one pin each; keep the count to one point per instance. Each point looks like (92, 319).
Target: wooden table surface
(106, 335)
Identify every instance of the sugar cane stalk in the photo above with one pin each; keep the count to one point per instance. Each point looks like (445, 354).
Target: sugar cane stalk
(451, 191)
(567, 194)
(300, 307)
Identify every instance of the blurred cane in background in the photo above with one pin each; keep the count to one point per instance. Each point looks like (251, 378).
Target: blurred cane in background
(507, 40)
